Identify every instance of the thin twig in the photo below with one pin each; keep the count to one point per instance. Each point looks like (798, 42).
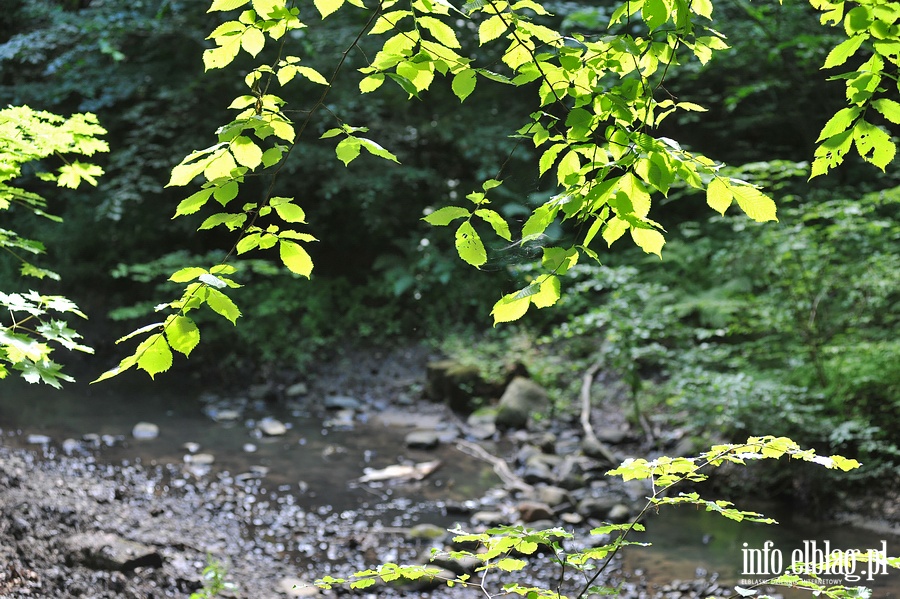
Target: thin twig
(589, 434)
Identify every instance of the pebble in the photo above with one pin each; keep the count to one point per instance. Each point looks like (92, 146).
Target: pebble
(38, 439)
(145, 431)
(271, 427)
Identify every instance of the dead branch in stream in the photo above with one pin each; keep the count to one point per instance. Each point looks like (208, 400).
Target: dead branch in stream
(501, 468)
(589, 434)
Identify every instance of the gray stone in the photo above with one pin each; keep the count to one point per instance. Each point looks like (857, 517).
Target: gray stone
(295, 587)
(619, 513)
(489, 518)
(342, 402)
(597, 507)
(249, 448)
(552, 495)
(423, 439)
(522, 398)
(426, 531)
(532, 511)
(458, 385)
(271, 427)
(296, 390)
(611, 435)
(224, 415)
(145, 430)
(106, 551)
(200, 459)
(38, 439)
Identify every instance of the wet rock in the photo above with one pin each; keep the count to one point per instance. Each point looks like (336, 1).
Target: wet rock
(594, 448)
(342, 402)
(488, 518)
(457, 385)
(107, 551)
(612, 435)
(522, 398)
(38, 439)
(200, 459)
(249, 448)
(597, 507)
(342, 419)
(619, 513)
(426, 531)
(71, 446)
(422, 439)
(271, 427)
(296, 390)
(552, 495)
(295, 587)
(223, 414)
(191, 447)
(532, 511)
(480, 424)
(145, 431)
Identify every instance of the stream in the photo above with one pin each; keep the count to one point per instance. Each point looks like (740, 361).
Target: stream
(319, 456)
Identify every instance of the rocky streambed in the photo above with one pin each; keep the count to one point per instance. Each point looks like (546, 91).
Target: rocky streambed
(99, 516)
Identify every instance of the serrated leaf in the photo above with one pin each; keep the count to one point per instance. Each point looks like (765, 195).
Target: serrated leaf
(614, 229)
(755, 204)
(841, 120)
(464, 83)
(490, 29)
(870, 139)
(291, 213)
(538, 222)
(312, 75)
(272, 156)
(889, 109)
(440, 31)
(508, 564)
(469, 245)
(649, 240)
(446, 215)
(295, 258)
(568, 166)
(510, 308)
(193, 202)
(348, 150)
(253, 41)
(327, 7)
(718, 196)
(376, 149)
(226, 193)
(548, 293)
(371, 83)
(227, 4)
(496, 221)
(703, 8)
(220, 165)
(183, 334)
(246, 152)
(655, 13)
(222, 305)
(264, 8)
(189, 273)
(843, 51)
(154, 355)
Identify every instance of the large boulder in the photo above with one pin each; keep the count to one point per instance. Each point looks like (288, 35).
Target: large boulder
(522, 398)
(455, 384)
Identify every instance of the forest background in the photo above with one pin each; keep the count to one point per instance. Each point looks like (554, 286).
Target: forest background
(742, 328)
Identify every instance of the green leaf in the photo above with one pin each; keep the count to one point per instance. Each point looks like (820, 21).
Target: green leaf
(253, 41)
(272, 156)
(649, 240)
(440, 31)
(490, 29)
(264, 8)
(371, 83)
(226, 193)
(222, 305)
(327, 7)
(464, 83)
(889, 109)
(469, 245)
(295, 258)
(873, 140)
(718, 195)
(348, 149)
(187, 274)
(376, 150)
(154, 355)
(312, 75)
(548, 293)
(538, 222)
(754, 203)
(183, 334)
(839, 122)
(703, 8)
(509, 564)
(843, 51)
(496, 221)
(446, 215)
(220, 166)
(568, 167)
(227, 4)
(614, 229)
(655, 13)
(246, 153)
(193, 202)
(291, 213)
(510, 308)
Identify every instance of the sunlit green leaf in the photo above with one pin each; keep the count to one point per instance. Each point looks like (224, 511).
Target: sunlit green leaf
(154, 355)
(183, 334)
(295, 258)
(444, 216)
(469, 245)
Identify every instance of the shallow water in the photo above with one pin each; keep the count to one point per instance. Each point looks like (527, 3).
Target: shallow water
(317, 464)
